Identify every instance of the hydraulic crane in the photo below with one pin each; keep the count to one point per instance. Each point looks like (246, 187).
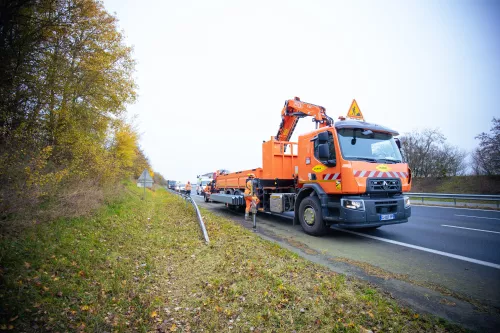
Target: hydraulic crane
(295, 109)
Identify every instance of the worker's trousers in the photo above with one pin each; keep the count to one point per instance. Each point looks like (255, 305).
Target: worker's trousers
(248, 200)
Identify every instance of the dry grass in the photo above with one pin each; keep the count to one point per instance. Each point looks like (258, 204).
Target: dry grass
(141, 265)
(458, 185)
(77, 199)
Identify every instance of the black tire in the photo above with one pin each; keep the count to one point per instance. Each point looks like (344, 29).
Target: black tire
(313, 223)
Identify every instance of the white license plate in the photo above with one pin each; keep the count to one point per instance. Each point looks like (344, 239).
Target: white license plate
(386, 217)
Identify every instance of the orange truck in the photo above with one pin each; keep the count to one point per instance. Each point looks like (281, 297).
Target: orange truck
(348, 174)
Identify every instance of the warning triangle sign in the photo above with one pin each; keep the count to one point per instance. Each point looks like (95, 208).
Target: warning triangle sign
(354, 112)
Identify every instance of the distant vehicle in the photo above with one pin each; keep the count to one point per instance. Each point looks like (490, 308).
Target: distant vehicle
(180, 188)
(171, 184)
(201, 185)
(203, 180)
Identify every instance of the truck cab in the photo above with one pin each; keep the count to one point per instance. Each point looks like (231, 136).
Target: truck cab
(351, 174)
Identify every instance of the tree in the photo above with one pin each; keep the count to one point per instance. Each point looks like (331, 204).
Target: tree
(65, 81)
(159, 179)
(429, 156)
(486, 158)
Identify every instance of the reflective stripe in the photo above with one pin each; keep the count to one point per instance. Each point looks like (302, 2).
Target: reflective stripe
(331, 176)
(378, 174)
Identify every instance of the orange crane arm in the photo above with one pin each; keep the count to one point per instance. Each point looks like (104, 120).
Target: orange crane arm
(295, 109)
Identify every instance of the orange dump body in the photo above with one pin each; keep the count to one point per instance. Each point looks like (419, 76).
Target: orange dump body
(279, 160)
(236, 180)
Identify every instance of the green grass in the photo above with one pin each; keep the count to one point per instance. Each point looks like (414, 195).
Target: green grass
(143, 266)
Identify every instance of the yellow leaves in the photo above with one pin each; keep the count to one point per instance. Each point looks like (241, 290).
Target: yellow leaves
(415, 316)
(125, 145)
(85, 308)
(154, 314)
(6, 327)
(173, 328)
(218, 308)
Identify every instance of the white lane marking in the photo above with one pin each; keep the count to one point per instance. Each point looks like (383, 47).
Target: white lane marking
(446, 254)
(414, 204)
(454, 226)
(479, 217)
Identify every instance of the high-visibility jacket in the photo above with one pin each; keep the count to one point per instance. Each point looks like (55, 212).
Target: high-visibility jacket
(207, 189)
(188, 187)
(249, 188)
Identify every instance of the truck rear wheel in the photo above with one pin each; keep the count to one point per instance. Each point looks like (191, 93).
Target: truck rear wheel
(311, 218)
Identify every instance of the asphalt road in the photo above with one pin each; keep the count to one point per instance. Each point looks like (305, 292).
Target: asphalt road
(444, 260)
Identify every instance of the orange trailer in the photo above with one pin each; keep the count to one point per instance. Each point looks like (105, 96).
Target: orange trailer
(349, 173)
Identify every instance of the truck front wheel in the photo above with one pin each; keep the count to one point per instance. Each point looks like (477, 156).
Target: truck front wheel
(310, 217)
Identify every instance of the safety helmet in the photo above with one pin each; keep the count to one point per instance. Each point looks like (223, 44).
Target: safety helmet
(251, 175)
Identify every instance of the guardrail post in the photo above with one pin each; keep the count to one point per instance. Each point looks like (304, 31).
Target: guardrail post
(422, 200)
(254, 216)
(455, 200)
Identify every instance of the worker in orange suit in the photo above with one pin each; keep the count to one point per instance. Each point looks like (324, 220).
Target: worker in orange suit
(250, 195)
(207, 189)
(188, 188)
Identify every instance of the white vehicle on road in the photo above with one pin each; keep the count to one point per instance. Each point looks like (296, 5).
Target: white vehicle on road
(203, 180)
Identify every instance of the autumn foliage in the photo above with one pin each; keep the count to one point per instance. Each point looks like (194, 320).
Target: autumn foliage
(66, 77)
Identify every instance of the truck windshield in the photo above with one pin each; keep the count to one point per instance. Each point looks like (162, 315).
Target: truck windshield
(365, 145)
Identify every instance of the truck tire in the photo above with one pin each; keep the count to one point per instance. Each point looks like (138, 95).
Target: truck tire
(310, 217)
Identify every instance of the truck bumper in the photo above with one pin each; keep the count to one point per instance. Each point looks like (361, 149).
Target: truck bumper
(377, 212)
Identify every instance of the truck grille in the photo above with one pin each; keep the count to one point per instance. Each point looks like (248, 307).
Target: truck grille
(384, 207)
(383, 185)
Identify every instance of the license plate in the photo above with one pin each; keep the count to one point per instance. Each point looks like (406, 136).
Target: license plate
(386, 217)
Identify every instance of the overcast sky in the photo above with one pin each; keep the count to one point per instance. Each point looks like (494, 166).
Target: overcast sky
(213, 75)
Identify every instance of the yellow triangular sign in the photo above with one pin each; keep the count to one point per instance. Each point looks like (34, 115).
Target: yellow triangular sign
(354, 112)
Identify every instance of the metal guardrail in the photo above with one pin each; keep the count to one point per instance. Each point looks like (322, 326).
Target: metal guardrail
(455, 197)
(187, 199)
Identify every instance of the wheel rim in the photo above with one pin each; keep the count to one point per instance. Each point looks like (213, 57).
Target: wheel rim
(309, 215)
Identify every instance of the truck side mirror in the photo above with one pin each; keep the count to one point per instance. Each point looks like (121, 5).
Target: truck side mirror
(323, 151)
(323, 137)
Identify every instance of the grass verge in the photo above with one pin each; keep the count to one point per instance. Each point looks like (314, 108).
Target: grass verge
(142, 265)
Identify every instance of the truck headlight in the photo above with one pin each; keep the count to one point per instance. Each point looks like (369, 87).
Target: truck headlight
(353, 204)
(407, 202)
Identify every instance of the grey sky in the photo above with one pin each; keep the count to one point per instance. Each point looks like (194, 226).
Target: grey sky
(213, 75)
